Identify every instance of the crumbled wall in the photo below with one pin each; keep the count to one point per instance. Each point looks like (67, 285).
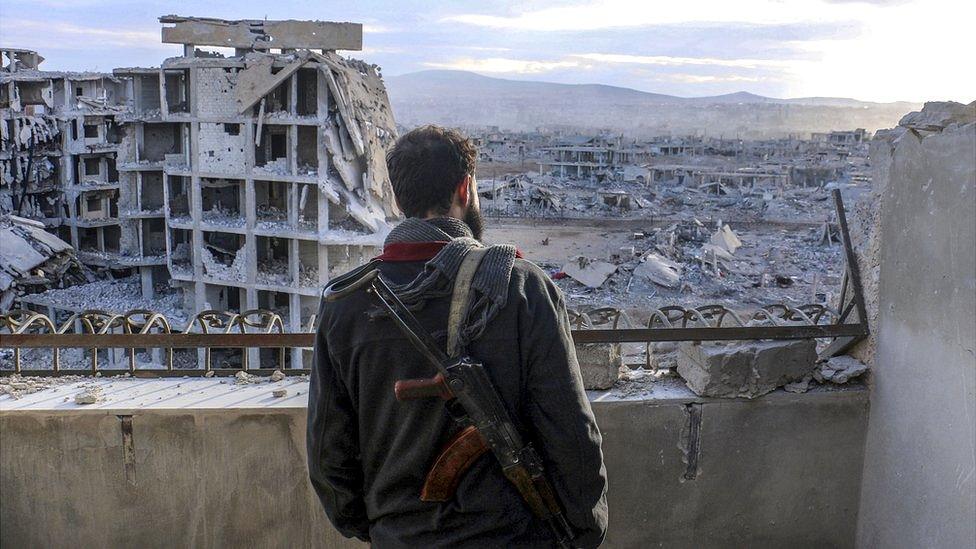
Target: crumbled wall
(216, 92)
(220, 152)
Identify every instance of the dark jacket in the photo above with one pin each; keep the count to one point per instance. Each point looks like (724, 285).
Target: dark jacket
(368, 454)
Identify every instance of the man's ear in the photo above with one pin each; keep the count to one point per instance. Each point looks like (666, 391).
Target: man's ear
(464, 190)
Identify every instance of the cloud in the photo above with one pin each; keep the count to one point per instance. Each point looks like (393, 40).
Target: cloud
(371, 28)
(705, 79)
(605, 14)
(503, 65)
(889, 62)
(590, 60)
(669, 61)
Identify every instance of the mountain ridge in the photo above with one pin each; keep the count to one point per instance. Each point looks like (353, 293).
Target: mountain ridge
(434, 75)
(467, 99)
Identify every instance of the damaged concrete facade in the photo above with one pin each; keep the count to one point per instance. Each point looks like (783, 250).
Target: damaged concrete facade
(59, 142)
(245, 182)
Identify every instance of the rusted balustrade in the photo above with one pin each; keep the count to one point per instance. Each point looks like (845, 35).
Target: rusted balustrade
(142, 329)
(225, 329)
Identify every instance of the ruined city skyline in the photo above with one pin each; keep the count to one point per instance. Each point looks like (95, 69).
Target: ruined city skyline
(694, 49)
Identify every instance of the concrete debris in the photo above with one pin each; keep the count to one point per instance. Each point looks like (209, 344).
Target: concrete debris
(659, 270)
(746, 370)
(90, 395)
(840, 369)
(726, 239)
(17, 386)
(588, 272)
(33, 260)
(277, 375)
(244, 378)
(279, 393)
(599, 364)
(235, 269)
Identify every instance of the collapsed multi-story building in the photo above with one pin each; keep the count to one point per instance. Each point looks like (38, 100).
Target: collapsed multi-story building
(58, 150)
(242, 181)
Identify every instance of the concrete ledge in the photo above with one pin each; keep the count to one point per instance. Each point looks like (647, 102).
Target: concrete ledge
(215, 464)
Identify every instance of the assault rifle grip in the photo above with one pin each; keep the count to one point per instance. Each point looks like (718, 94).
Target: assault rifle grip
(431, 387)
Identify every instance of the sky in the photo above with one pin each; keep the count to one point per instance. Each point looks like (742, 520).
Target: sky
(875, 50)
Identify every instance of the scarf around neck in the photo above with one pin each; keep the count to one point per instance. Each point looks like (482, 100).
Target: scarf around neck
(490, 283)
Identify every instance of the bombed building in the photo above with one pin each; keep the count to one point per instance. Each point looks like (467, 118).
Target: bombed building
(229, 182)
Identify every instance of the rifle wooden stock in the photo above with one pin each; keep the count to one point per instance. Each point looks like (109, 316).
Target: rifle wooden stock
(458, 455)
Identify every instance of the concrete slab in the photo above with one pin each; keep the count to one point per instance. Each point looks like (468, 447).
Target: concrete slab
(126, 395)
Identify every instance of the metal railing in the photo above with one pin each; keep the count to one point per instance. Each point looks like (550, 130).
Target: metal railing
(256, 329)
(96, 330)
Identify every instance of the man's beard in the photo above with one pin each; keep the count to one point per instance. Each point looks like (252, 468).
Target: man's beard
(474, 221)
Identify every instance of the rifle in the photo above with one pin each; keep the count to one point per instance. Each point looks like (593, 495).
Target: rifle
(473, 403)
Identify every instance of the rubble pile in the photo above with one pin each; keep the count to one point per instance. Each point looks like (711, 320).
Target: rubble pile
(681, 263)
(34, 260)
(123, 294)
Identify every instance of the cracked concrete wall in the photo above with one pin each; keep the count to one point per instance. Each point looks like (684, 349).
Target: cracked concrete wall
(220, 152)
(919, 487)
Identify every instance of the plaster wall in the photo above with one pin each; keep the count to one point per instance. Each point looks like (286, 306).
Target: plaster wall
(920, 466)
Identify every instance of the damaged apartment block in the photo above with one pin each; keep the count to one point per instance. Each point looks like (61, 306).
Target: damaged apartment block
(244, 182)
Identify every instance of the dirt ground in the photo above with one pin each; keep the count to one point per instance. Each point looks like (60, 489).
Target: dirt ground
(564, 241)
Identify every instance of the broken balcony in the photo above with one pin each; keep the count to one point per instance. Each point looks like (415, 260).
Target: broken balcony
(151, 193)
(153, 241)
(38, 95)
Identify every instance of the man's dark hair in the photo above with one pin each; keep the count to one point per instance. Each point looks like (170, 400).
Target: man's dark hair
(426, 165)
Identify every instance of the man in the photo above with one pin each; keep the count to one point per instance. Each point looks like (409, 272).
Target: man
(369, 454)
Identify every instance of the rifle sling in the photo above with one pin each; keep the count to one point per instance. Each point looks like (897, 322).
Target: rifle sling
(461, 298)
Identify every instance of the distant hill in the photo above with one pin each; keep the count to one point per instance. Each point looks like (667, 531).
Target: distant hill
(460, 98)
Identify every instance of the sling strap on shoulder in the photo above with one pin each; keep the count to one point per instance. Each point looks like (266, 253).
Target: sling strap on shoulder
(461, 298)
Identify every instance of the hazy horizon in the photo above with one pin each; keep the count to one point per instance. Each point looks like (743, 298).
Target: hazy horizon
(866, 50)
